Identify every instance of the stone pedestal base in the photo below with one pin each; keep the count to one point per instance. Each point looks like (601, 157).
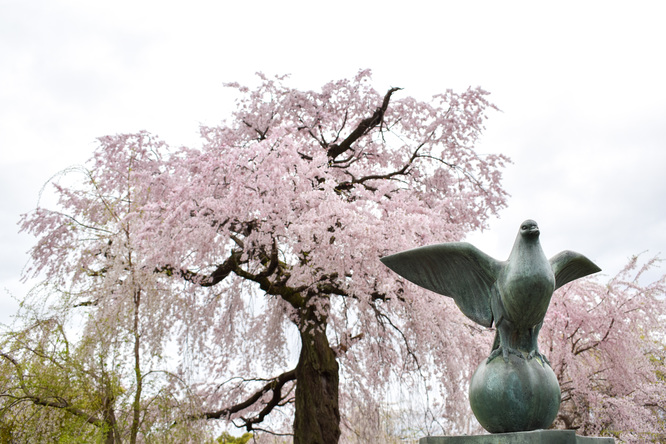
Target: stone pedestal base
(533, 437)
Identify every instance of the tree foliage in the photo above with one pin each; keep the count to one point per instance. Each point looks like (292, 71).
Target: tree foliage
(227, 438)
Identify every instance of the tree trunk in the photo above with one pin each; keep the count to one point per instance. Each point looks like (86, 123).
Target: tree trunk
(317, 419)
(109, 430)
(136, 405)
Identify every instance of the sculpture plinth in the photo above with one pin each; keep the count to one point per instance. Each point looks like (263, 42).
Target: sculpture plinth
(532, 437)
(515, 389)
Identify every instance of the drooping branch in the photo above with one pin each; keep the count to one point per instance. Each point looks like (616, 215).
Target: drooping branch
(273, 386)
(383, 319)
(594, 344)
(64, 405)
(363, 127)
(54, 402)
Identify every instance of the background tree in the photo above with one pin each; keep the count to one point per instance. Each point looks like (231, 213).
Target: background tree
(606, 344)
(110, 381)
(264, 243)
(43, 376)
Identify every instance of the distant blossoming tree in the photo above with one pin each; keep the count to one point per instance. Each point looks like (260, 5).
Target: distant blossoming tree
(88, 364)
(607, 346)
(266, 241)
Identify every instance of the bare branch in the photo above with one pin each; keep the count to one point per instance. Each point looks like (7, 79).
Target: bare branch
(363, 127)
(387, 176)
(275, 386)
(596, 343)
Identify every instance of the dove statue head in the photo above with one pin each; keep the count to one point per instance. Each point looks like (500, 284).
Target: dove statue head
(529, 228)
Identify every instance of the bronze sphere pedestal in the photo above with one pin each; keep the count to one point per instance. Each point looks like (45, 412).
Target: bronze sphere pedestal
(514, 396)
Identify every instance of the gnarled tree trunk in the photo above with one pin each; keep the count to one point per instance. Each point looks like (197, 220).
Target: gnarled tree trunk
(317, 419)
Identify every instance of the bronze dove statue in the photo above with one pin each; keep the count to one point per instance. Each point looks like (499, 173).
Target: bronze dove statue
(514, 294)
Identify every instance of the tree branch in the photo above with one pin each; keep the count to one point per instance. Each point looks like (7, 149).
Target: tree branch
(363, 127)
(289, 294)
(381, 318)
(596, 343)
(275, 386)
(273, 261)
(218, 275)
(350, 184)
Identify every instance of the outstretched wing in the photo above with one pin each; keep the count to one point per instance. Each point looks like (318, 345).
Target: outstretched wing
(569, 266)
(457, 269)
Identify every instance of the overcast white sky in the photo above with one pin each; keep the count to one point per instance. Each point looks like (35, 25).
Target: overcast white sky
(581, 86)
